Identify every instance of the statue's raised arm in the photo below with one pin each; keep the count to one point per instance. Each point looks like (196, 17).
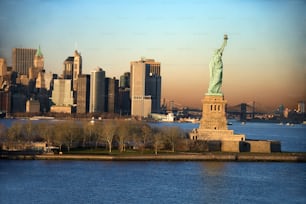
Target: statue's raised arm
(216, 70)
(224, 43)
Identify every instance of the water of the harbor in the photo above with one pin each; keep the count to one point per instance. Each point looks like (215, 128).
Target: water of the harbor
(163, 182)
(151, 182)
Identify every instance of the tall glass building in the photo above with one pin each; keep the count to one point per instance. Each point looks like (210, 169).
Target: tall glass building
(145, 85)
(97, 91)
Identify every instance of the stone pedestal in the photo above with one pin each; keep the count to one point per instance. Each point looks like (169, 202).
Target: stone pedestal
(213, 125)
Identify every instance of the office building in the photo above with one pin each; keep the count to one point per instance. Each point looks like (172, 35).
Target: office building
(77, 69)
(111, 102)
(97, 91)
(68, 68)
(3, 67)
(22, 60)
(125, 80)
(40, 80)
(124, 101)
(83, 93)
(32, 106)
(39, 60)
(145, 82)
(18, 101)
(301, 107)
(5, 101)
(38, 64)
(73, 68)
(62, 94)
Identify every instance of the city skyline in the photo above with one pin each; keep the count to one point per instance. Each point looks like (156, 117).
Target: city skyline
(264, 60)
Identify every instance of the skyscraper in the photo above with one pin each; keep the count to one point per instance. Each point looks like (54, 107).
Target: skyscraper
(125, 80)
(3, 67)
(73, 68)
(77, 69)
(68, 68)
(111, 102)
(62, 94)
(83, 93)
(38, 63)
(39, 59)
(97, 91)
(124, 101)
(145, 85)
(22, 60)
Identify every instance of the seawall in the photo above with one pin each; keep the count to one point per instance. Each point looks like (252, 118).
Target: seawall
(240, 157)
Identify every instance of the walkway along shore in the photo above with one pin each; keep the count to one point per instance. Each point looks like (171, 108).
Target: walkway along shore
(262, 157)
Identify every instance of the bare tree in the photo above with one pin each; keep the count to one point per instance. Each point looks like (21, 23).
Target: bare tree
(15, 135)
(146, 132)
(89, 133)
(123, 133)
(97, 133)
(71, 132)
(109, 132)
(172, 135)
(157, 138)
(45, 130)
(59, 134)
(27, 130)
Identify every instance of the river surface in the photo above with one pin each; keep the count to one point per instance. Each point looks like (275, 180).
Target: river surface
(151, 182)
(162, 182)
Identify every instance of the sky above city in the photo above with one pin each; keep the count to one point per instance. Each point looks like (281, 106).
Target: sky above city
(264, 60)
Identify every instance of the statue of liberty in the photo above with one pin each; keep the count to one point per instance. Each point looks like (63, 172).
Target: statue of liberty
(216, 70)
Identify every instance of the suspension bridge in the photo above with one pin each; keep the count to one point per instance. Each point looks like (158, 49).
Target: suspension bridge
(243, 110)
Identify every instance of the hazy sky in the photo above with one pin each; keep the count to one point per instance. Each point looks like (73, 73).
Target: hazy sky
(264, 60)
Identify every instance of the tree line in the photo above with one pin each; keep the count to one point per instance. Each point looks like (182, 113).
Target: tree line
(108, 134)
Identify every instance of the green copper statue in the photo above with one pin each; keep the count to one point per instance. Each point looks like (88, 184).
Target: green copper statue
(216, 69)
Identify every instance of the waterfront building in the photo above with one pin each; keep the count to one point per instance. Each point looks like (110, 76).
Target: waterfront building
(48, 77)
(145, 82)
(125, 80)
(23, 59)
(61, 109)
(40, 81)
(111, 102)
(39, 59)
(97, 91)
(5, 101)
(83, 93)
(301, 107)
(3, 67)
(62, 94)
(32, 106)
(124, 101)
(77, 68)
(68, 68)
(73, 68)
(18, 101)
(38, 64)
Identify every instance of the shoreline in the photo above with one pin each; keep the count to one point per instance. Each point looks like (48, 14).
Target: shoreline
(229, 157)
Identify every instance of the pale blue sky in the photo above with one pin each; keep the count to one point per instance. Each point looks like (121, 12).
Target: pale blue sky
(264, 60)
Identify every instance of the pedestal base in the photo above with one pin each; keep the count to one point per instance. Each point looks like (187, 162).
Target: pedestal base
(215, 135)
(213, 125)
